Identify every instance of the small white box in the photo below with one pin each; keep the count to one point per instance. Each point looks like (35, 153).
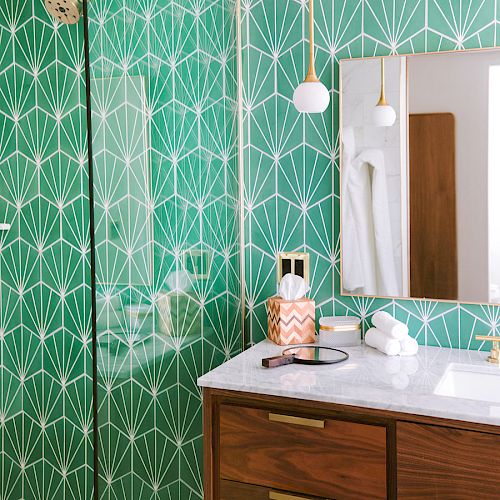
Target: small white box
(339, 331)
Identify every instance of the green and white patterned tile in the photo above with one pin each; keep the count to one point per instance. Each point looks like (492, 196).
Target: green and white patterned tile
(344, 29)
(462, 25)
(165, 142)
(393, 26)
(45, 363)
(185, 54)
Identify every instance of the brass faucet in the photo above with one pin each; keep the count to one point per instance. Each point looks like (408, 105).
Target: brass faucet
(494, 356)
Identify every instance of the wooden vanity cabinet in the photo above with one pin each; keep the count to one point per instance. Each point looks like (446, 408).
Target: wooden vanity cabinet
(283, 449)
(264, 447)
(314, 456)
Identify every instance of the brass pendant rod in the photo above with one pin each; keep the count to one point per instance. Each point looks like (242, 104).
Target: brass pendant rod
(311, 73)
(382, 101)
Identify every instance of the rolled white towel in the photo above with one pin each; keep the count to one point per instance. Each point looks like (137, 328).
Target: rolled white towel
(384, 322)
(379, 340)
(409, 347)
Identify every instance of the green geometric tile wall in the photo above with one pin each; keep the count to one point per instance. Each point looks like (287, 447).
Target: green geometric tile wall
(179, 59)
(164, 123)
(292, 161)
(164, 137)
(45, 331)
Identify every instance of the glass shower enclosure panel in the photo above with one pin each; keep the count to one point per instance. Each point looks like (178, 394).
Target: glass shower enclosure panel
(45, 334)
(165, 201)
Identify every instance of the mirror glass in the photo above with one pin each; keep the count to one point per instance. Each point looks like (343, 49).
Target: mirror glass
(316, 354)
(420, 176)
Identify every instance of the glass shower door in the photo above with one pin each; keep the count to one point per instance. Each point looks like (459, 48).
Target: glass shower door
(165, 200)
(45, 334)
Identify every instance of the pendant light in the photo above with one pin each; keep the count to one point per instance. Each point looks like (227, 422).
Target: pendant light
(383, 114)
(311, 96)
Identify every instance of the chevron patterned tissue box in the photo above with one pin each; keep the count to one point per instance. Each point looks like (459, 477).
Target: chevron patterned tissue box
(291, 321)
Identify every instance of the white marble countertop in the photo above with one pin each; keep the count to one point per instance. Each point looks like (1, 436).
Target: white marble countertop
(368, 379)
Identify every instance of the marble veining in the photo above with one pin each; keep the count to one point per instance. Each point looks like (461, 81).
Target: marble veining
(368, 379)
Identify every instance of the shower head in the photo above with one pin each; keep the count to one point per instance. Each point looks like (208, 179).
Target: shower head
(65, 11)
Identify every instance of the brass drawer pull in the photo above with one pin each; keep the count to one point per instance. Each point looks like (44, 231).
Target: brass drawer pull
(274, 495)
(288, 419)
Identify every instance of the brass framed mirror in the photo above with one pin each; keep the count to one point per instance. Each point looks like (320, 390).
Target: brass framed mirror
(420, 185)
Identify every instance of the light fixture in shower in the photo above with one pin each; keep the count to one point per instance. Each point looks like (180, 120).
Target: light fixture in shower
(383, 114)
(65, 11)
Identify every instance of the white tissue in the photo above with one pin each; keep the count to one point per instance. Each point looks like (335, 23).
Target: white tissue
(389, 325)
(379, 340)
(292, 287)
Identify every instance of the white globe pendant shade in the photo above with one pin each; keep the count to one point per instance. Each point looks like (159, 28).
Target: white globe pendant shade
(311, 97)
(384, 115)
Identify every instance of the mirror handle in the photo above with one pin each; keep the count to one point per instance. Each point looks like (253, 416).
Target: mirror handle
(278, 361)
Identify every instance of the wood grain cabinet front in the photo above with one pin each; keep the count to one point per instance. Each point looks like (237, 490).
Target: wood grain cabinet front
(437, 462)
(271, 448)
(324, 458)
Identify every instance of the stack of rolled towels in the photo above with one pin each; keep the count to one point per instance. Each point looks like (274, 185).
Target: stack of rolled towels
(390, 336)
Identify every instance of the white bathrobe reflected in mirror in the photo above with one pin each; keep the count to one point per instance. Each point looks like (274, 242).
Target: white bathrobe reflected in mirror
(368, 264)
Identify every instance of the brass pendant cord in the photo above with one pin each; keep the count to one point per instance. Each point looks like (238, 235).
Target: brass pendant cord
(382, 101)
(311, 73)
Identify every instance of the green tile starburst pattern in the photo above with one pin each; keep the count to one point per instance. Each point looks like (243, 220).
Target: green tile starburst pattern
(45, 331)
(164, 121)
(292, 161)
(164, 101)
(288, 157)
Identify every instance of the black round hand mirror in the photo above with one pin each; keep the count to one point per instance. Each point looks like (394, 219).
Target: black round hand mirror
(306, 355)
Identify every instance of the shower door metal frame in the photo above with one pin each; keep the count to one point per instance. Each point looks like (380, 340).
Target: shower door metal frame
(92, 249)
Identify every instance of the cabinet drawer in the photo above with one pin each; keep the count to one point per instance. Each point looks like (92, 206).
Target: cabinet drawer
(442, 462)
(320, 457)
(230, 490)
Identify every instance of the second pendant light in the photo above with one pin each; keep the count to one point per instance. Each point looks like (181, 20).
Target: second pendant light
(383, 114)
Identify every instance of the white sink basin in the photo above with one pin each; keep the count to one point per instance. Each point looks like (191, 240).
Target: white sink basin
(470, 382)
